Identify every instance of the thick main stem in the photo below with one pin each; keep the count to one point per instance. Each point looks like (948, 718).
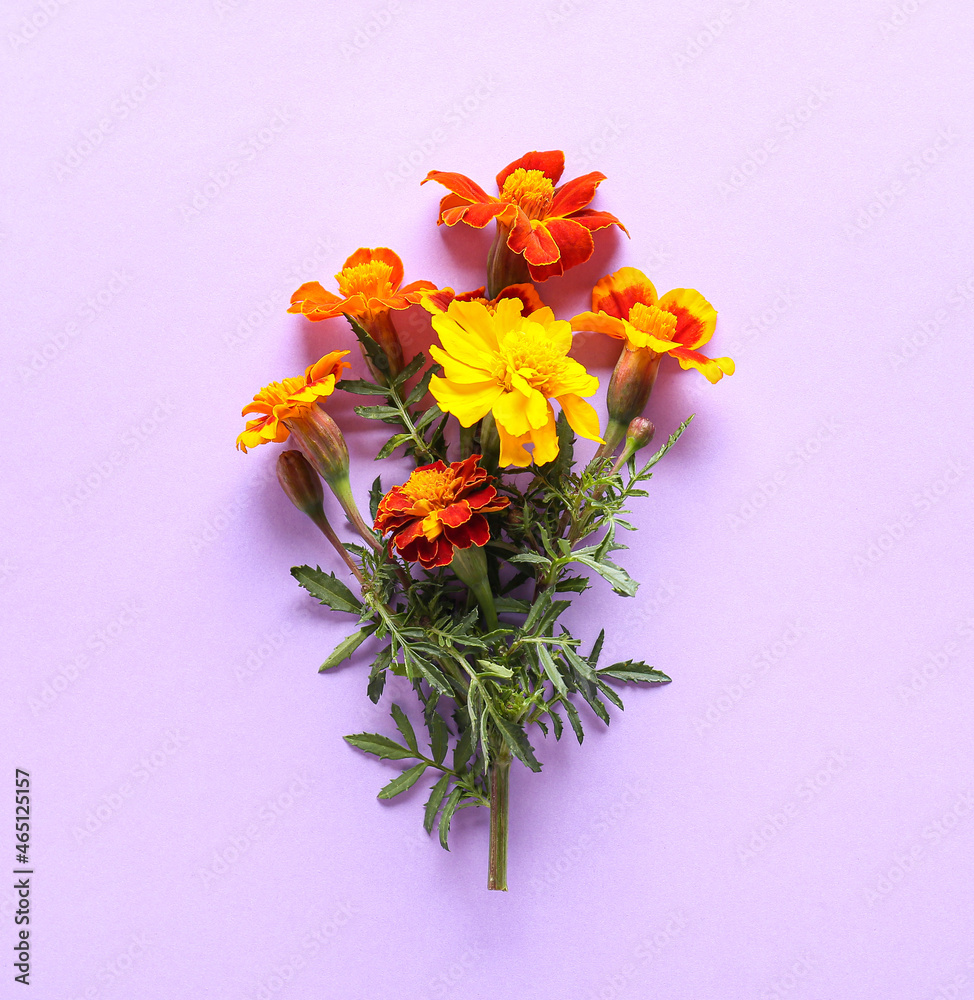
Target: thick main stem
(504, 267)
(500, 777)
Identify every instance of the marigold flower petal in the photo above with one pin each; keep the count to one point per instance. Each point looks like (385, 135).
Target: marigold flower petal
(459, 184)
(467, 402)
(713, 368)
(618, 292)
(581, 416)
(575, 244)
(575, 194)
(551, 163)
(696, 318)
(532, 239)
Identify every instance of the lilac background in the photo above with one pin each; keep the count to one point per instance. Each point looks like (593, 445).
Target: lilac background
(791, 817)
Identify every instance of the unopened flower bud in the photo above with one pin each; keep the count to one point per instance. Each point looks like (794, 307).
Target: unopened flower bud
(628, 393)
(300, 482)
(639, 433)
(322, 442)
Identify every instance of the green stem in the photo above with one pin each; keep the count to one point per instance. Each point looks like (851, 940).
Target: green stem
(504, 267)
(500, 775)
(470, 566)
(342, 489)
(329, 532)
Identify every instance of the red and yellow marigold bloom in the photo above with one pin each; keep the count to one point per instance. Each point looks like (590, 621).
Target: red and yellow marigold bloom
(279, 403)
(625, 305)
(512, 366)
(438, 510)
(370, 285)
(548, 227)
(439, 301)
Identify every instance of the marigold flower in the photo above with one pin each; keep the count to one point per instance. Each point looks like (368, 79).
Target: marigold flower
(625, 306)
(280, 402)
(437, 510)
(370, 284)
(548, 226)
(439, 301)
(512, 366)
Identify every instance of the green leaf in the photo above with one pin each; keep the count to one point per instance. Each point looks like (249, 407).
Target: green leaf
(376, 354)
(673, 438)
(580, 665)
(346, 647)
(405, 780)
(428, 417)
(405, 727)
(515, 737)
(448, 810)
(635, 670)
(575, 720)
(433, 803)
(375, 497)
(409, 371)
(530, 557)
(361, 387)
(327, 588)
(593, 657)
(430, 671)
(591, 694)
(578, 584)
(511, 605)
(610, 694)
(551, 670)
(388, 414)
(620, 581)
(556, 722)
(381, 746)
(421, 387)
(390, 446)
(439, 737)
(463, 751)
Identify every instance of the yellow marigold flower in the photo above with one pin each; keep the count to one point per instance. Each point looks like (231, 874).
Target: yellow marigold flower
(280, 402)
(511, 365)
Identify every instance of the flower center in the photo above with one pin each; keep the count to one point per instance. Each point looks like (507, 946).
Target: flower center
(652, 320)
(434, 489)
(530, 190)
(371, 278)
(529, 353)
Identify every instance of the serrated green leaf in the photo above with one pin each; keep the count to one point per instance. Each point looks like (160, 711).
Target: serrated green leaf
(434, 801)
(591, 694)
(361, 387)
(381, 746)
(635, 670)
(439, 737)
(556, 722)
(405, 780)
(575, 720)
(346, 647)
(515, 737)
(375, 497)
(610, 694)
(430, 671)
(463, 751)
(421, 387)
(327, 588)
(375, 353)
(409, 371)
(551, 670)
(390, 446)
(405, 727)
(428, 417)
(387, 414)
(579, 664)
(620, 581)
(593, 657)
(511, 605)
(447, 817)
(530, 557)
(577, 584)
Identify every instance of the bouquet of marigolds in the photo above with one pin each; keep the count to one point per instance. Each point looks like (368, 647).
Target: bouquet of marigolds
(460, 577)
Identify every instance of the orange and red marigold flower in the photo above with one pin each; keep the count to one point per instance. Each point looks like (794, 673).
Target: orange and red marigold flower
(625, 305)
(549, 226)
(280, 402)
(370, 283)
(440, 508)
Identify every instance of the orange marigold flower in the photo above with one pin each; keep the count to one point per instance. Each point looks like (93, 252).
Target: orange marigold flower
(625, 306)
(370, 283)
(437, 510)
(280, 402)
(548, 226)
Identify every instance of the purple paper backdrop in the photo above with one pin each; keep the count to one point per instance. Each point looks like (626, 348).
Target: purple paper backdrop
(792, 816)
